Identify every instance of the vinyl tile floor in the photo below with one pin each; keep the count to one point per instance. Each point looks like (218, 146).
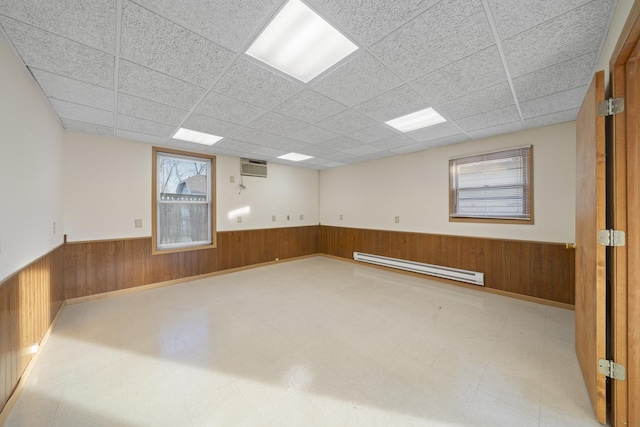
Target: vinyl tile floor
(311, 342)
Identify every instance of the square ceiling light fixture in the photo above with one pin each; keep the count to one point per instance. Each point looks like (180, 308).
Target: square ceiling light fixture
(295, 157)
(300, 43)
(197, 137)
(418, 120)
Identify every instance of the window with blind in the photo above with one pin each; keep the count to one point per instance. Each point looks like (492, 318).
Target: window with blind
(492, 187)
(183, 192)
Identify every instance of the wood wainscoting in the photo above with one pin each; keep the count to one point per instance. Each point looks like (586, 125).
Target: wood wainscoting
(92, 268)
(29, 302)
(534, 269)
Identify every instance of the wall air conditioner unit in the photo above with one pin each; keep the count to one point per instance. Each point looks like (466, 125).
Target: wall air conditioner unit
(250, 167)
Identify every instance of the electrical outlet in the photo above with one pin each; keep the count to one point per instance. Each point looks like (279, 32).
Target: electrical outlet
(301, 217)
(397, 220)
(340, 217)
(288, 218)
(239, 219)
(232, 179)
(273, 217)
(54, 227)
(138, 223)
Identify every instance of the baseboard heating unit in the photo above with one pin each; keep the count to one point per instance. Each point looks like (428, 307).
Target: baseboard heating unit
(467, 276)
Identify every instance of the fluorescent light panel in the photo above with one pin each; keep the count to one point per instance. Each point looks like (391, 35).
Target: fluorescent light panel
(197, 137)
(295, 157)
(418, 120)
(300, 43)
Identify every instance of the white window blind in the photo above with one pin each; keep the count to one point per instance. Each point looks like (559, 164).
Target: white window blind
(493, 185)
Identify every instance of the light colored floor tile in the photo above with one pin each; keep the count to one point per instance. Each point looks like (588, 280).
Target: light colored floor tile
(311, 342)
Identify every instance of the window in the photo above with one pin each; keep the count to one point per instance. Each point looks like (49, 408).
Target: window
(492, 187)
(183, 194)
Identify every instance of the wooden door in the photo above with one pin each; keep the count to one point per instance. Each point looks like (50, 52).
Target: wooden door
(590, 256)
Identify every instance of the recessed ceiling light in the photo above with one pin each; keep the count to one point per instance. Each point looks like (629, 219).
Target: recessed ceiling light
(295, 157)
(300, 43)
(197, 137)
(418, 120)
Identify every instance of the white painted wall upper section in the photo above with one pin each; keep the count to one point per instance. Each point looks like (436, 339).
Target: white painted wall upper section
(620, 15)
(107, 185)
(415, 187)
(30, 168)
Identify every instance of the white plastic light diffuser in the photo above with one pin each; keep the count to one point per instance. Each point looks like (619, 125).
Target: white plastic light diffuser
(418, 120)
(300, 43)
(295, 157)
(197, 137)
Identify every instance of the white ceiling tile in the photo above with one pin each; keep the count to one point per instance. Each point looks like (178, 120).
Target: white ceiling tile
(149, 110)
(449, 31)
(496, 130)
(392, 104)
(341, 143)
(514, 16)
(266, 152)
(334, 165)
(222, 107)
(88, 22)
(236, 145)
(570, 35)
(335, 156)
(290, 145)
(370, 20)
(373, 134)
(82, 113)
(210, 125)
(475, 103)
(552, 119)
(373, 156)
(154, 42)
(447, 140)
(313, 135)
(433, 132)
(133, 124)
(252, 83)
(346, 122)
(230, 23)
(278, 124)
(75, 125)
(309, 106)
(362, 150)
(360, 78)
(556, 78)
(66, 89)
(148, 84)
(472, 73)
(567, 100)
(142, 137)
(215, 150)
(59, 55)
(319, 151)
(413, 148)
(489, 119)
(394, 142)
(256, 136)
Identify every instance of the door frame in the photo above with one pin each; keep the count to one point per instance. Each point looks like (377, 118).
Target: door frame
(625, 345)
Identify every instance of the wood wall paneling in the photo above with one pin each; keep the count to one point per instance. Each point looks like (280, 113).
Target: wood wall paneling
(535, 269)
(29, 302)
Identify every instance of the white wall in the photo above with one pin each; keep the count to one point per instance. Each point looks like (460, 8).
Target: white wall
(30, 168)
(107, 185)
(415, 187)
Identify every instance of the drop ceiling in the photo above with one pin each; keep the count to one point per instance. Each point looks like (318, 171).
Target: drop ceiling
(142, 69)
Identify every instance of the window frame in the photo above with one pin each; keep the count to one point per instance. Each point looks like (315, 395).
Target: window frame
(154, 200)
(456, 217)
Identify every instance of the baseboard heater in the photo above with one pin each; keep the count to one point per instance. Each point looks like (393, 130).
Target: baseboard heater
(467, 276)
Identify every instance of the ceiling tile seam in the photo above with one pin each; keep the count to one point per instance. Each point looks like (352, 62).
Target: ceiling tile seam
(604, 36)
(25, 67)
(494, 30)
(59, 35)
(245, 46)
(573, 58)
(116, 67)
(166, 18)
(142, 118)
(554, 113)
(53, 98)
(558, 93)
(558, 16)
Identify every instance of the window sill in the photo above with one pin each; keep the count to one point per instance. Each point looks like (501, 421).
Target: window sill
(492, 220)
